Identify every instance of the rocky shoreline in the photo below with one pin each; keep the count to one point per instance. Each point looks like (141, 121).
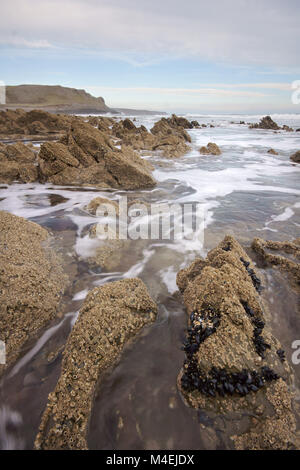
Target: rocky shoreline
(234, 363)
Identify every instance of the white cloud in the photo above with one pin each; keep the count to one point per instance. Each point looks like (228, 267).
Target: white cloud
(24, 43)
(264, 32)
(96, 90)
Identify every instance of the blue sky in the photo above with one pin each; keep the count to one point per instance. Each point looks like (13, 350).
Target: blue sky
(218, 56)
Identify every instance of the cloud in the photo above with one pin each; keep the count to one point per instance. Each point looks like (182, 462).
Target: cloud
(261, 32)
(24, 43)
(96, 90)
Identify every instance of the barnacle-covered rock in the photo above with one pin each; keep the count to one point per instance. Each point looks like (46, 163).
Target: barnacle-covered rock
(233, 362)
(31, 282)
(111, 316)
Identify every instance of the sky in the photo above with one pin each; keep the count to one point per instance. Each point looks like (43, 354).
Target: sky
(217, 56)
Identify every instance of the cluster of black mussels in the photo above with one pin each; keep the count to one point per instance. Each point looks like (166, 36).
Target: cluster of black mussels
(219, 381)
(255, 280)
(260, 345)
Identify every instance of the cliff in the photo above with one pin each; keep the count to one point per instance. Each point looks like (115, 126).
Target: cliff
(53, 98)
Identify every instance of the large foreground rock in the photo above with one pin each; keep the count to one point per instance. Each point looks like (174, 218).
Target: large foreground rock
(87, 156)
(111, 316)
(233, 363)
(31, 282)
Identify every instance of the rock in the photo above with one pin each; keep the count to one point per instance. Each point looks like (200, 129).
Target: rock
(19, 152)
(109, 254)
(93, 121)
(210, 149)
(111, 316)
(165, 127)
(227, 339)
(28, 173)
(94, 175)
(37, 127)
(297, 130)
(171, 146)
(266, 123)
(97, 201)
(136, 137)
(265, 248)
(128, 124)
(91, 141)
(171, 136)
(33, 122)
(86, 156)
(17, 164)
(195, 124)
(31, 282)
(129, 170)
(54, 157)
(11, 171)
(272, 152)
(105, 124)
(296, 157)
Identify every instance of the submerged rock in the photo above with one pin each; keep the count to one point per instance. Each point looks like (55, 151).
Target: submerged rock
(232, 362)
(210, 149)
(296, 157)
(289, 264)
(272, 152)
(31, 282)
(97, 201)
(111, 316)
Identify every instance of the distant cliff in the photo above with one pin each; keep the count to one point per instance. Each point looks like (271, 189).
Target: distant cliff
(54, 99)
